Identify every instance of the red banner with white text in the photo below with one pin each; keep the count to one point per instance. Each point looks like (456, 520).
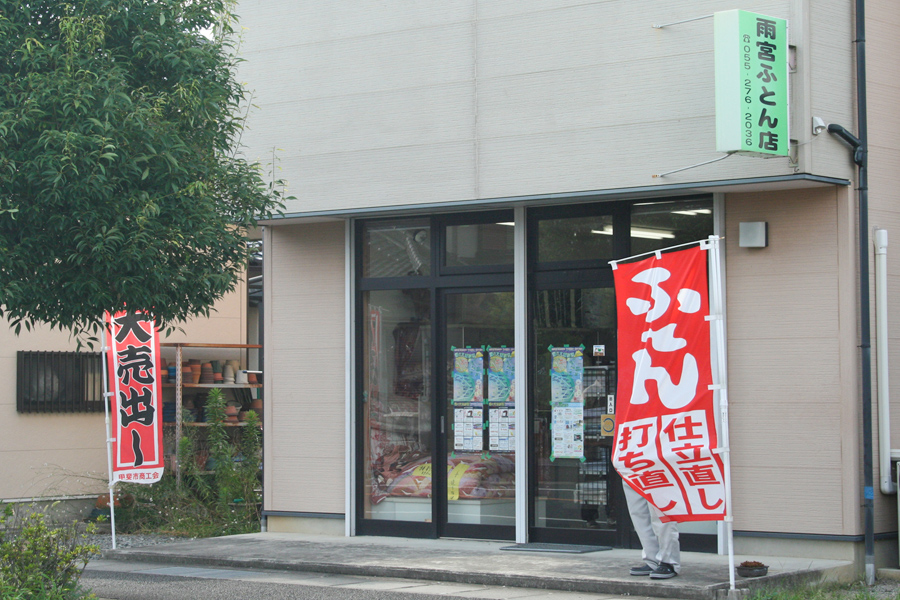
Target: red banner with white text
(136, 407)
(666, 431)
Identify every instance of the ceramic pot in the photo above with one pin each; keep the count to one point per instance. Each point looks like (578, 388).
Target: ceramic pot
(752, 571)
(228, 374)
(240, 377)
(119, 499)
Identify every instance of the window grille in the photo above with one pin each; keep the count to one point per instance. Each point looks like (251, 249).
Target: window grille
(59, 382)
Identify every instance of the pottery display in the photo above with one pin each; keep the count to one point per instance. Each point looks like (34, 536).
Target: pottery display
(208, 373)
(753, 569)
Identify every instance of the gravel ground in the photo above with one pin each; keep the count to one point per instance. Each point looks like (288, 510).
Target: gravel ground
(885, 589)
(127, 540)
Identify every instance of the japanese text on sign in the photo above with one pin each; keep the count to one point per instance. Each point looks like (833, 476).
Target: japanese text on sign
(135, 411)
(751, 84)
(666, 432)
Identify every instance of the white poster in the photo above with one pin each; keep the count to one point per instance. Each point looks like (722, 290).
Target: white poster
(568, 431)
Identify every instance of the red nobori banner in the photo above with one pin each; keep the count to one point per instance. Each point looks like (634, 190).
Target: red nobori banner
(136, 409)
(666, 429)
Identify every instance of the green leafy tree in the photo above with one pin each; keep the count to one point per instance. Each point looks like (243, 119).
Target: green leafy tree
(121, 181)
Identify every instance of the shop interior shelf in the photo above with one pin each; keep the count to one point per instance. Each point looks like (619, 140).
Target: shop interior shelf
(195, 424)
(215, 385)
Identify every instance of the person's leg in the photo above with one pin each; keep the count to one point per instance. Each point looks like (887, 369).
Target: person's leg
(641, 518)
(667, 537)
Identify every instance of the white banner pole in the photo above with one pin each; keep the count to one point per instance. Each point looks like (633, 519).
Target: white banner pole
(107, 399)
(718, 317)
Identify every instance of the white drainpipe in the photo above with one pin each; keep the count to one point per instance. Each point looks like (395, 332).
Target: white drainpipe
(881, 360)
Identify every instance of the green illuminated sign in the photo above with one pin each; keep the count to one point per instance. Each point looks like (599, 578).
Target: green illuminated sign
(751, 84)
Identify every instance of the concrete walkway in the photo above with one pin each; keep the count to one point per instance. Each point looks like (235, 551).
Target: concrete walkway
(704, 576)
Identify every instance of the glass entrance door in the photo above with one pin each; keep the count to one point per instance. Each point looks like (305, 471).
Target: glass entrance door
(479, 415)
(576, 493)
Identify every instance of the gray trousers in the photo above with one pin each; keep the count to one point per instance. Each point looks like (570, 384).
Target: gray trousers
(659, 540)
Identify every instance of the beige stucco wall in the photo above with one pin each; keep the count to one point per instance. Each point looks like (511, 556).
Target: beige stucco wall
(305, 369)
(883, 89)
(792, 364)
(374, 104)
(46, 454)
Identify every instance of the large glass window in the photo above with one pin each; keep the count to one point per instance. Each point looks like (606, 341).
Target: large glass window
(481, 410)
(479, 244)
(398, 248)
(397, 396)
(575, 238)
(662, 224)
(571, 492)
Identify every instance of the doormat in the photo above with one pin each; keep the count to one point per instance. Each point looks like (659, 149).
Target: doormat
(561, 548)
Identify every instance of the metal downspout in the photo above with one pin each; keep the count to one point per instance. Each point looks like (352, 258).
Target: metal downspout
(860, 158)
(862, 161)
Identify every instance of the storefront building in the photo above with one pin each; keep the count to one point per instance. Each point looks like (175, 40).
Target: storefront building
(464, 173)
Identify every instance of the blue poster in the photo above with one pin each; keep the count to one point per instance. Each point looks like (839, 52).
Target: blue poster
(468, 376)
(567, 376)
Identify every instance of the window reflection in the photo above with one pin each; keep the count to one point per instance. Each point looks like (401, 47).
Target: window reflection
(398, 404)
(479, 244)
(662, 224)
(577, 238)
(397, 249)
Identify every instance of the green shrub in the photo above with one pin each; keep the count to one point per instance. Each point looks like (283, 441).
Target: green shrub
(224, 501)
(40, 561)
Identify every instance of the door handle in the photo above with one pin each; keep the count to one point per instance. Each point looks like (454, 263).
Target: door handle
(442, 425)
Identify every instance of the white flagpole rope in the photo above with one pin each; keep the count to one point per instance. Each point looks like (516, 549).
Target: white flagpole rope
(717, 317)
(109, 439)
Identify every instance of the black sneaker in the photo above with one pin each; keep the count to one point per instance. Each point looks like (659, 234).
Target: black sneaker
(663, 571)
(644, 569)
